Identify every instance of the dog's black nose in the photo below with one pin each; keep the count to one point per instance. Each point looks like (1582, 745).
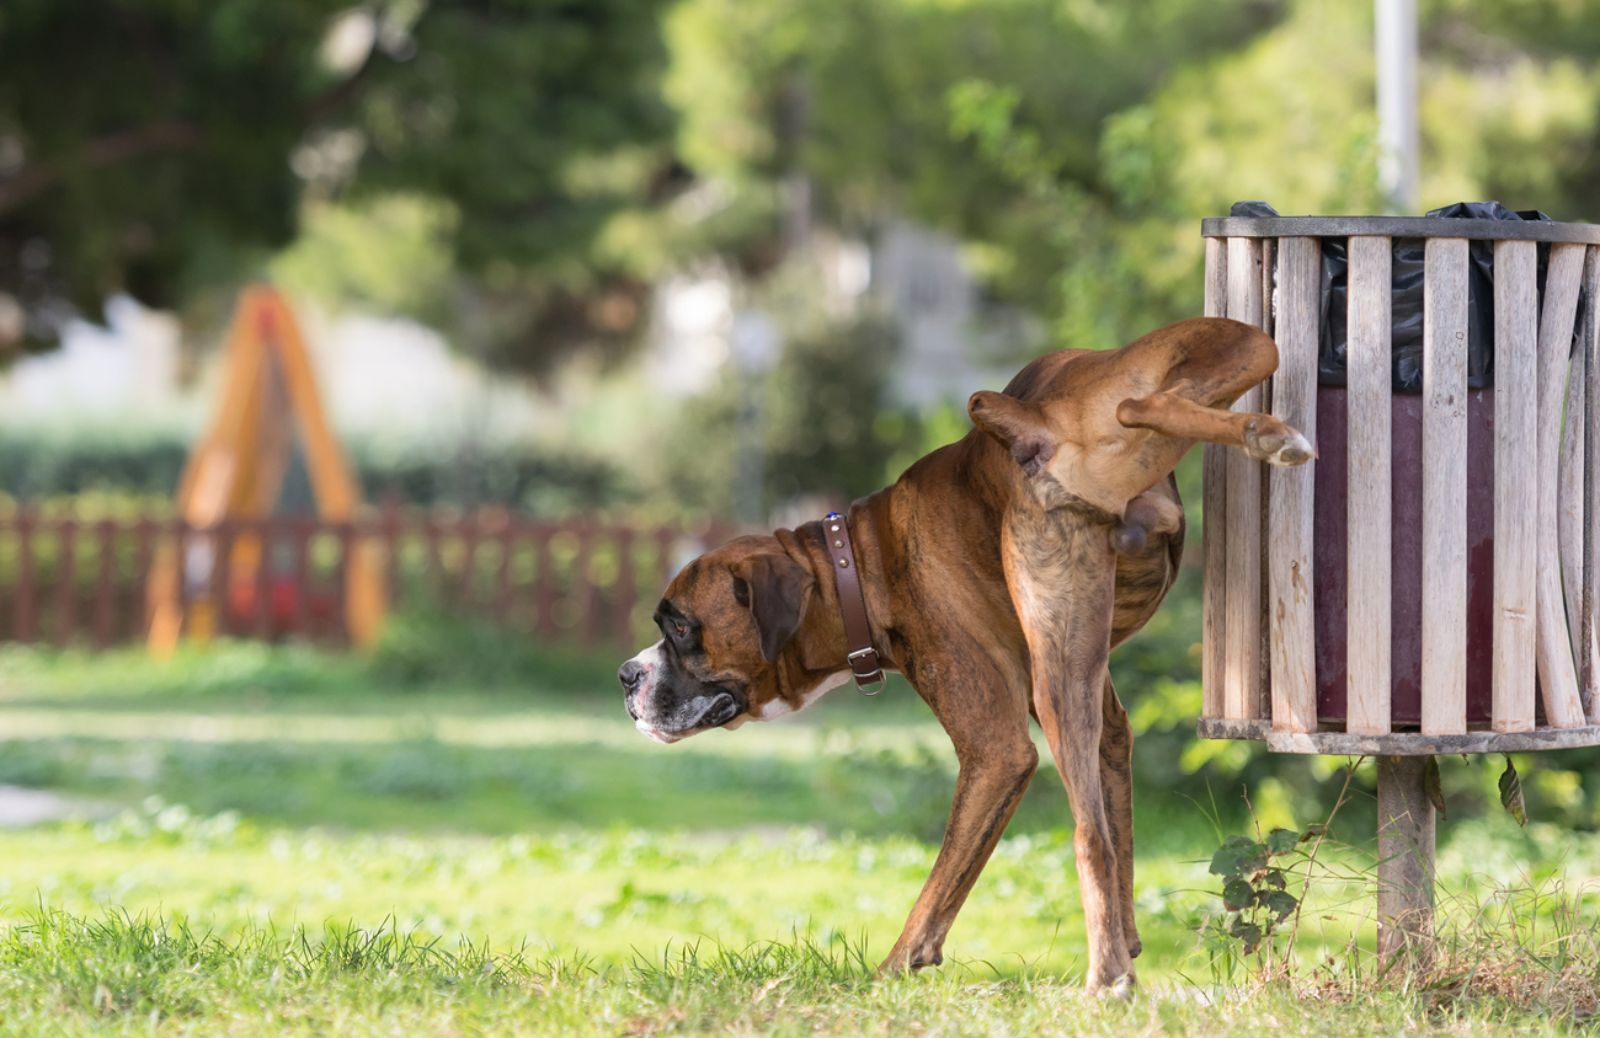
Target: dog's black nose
(630, 674)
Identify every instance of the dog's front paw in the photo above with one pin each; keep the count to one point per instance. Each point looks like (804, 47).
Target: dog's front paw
(1276, 443)
(904, 960)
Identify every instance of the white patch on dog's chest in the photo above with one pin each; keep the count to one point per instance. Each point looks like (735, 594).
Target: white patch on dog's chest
(775, 708)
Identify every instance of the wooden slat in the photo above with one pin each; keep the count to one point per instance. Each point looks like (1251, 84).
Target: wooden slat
(1367, 499)
(544, 607)
(144, 535)
(666, 537)
(1269, 299)
(1589, 599)
(1214, 525)
(585, 591)
(105, 582)
(25, 622)
(1558, 678)
(66, 582)
(389, 533)
(1289, 578)
(502, 594)
(435, 560)
(265, 538)
(220, 586)
(1444, 488)
(627, 588)
(1242, 656)
(1263, 707)
(1569, 498)
(1516, 309)
(300, 532)
(468, 590)
(340, 621)
(180, 536)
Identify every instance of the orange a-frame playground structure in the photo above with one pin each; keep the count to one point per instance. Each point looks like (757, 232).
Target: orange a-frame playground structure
(269, 415)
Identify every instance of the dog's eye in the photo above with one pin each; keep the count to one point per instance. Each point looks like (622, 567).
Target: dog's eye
(680, 629)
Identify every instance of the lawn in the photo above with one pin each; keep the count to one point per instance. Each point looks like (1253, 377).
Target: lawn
(271, 841)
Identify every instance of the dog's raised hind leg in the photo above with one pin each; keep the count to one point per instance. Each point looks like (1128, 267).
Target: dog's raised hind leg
(1261, 436)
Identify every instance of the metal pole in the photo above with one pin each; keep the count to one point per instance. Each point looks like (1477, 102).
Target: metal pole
(1396, 27)
(749, 504)
(1405, 863)
(756, 345)
(1405, 814)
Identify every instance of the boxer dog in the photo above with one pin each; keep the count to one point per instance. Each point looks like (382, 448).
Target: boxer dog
(997, 574)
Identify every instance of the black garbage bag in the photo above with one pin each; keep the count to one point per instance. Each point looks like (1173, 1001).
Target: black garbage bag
(1406, 299)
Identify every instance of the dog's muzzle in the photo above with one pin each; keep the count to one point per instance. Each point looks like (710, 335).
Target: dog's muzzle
(697, 715)
(666, 714)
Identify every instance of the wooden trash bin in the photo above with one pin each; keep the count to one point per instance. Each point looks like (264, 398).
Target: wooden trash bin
(1429, 584)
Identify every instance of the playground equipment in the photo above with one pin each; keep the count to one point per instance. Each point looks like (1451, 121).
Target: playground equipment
(269, 451)
(1429, 584)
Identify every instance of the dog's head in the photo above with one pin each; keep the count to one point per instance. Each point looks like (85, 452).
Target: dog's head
(725, 621)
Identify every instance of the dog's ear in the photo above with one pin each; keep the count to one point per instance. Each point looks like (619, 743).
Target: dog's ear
(775, 589)
(1018, 426)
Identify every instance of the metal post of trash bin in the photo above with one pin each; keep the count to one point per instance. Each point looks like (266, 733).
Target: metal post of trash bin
(755, 343)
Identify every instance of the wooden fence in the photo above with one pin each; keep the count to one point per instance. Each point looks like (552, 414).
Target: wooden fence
(67, 581)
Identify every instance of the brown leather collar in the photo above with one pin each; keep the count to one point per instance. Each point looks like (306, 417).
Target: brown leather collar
(863, 658)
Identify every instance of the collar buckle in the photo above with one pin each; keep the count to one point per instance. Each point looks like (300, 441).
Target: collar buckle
(870, 682)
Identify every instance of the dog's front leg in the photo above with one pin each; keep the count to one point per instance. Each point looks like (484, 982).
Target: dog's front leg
(1062, 575)
(983, 706)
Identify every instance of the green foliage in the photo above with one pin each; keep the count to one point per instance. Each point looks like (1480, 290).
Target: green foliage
(146, 468)
(435, 646)
(522, 172)
(33, 467)
(162, 148)
(985, 119)
(390, 253)
(830, 428)
(1255, 896)
(825, 415)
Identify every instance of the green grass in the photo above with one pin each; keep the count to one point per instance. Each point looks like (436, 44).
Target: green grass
(272, 841)
(133, 975)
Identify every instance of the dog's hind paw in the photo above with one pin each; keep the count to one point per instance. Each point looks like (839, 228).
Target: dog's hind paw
(1277, 444)
(1122, 989)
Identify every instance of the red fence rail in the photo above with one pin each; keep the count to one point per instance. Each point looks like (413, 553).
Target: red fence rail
(65, 580)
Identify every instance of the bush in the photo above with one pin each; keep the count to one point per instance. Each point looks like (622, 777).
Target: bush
(433, 647)
(34, 467)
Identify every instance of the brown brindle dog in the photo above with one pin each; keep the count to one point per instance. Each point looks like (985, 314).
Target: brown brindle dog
(998, 573)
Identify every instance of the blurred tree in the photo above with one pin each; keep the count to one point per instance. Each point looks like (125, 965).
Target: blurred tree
(519, 155)
(1073, 145)
(160, 146)
(983, 118)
